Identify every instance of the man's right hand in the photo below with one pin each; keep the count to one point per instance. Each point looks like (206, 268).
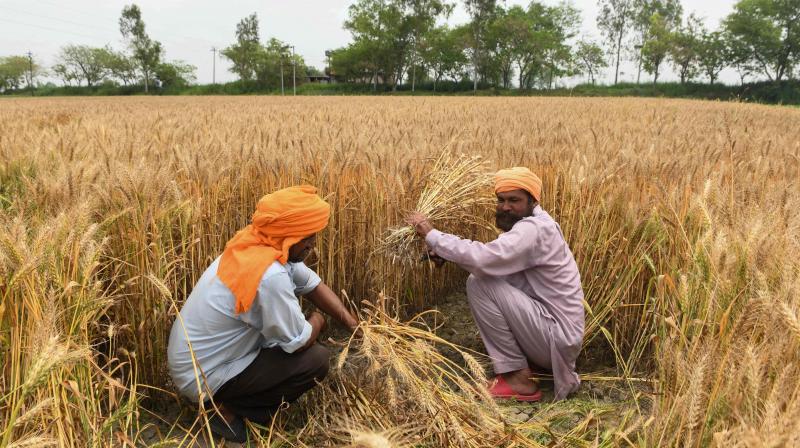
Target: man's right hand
(437, 260)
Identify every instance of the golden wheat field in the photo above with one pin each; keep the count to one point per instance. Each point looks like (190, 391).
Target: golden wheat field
(684, 218)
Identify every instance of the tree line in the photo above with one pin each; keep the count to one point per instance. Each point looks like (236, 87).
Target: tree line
(408, 42)
(402, 42)
(142, 62)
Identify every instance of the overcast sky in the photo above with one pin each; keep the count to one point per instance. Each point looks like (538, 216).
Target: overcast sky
(189, 29)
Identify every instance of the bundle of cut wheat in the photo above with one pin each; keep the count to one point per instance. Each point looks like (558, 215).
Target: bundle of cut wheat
(455, 184)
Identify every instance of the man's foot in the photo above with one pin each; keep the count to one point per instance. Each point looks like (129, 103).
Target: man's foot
(500, 389)
(520, 381)
(233, 430)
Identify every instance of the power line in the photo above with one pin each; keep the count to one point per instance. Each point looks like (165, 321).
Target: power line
(41, 16)
(105, 28)
(45, 27)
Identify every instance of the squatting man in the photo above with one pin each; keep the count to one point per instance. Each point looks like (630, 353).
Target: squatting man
(241, 337)
(524, 289)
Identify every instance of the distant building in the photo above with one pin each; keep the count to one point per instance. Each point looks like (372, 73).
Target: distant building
(319, 79)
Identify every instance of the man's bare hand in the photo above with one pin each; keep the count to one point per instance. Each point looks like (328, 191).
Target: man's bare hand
(420, 223)
(437, 260)
(317, 319)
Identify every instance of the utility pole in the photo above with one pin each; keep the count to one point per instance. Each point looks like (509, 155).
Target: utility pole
(30, 71)
(214, 66)
(328, 71)
(294, 73)
(281, 72)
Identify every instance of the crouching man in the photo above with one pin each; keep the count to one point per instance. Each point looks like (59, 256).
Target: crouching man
(524, 289)
(241, 336)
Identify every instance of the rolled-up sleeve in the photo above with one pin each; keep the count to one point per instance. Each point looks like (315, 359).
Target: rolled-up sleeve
(305, 279)
(511, 252)
(282, 320)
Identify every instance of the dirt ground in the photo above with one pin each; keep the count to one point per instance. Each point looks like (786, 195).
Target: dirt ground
(602, 394)
(603, 401)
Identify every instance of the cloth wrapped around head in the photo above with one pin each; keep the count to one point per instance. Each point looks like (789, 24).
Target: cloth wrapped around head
(518, 178)
(281, 219)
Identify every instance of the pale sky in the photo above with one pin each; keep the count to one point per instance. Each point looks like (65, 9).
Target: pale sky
(189, 29)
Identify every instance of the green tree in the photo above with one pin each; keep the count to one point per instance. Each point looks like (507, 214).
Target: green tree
(481, 13)
(14, 72)
(380, 31)
(501, 42)
(353, 63)
(564, 21)
(740, 57)
(614, 21)
(657, 46)
(766, 35)
(589, 59)
(121, 67)
(146, 52)
(82, 62)
(684, 50)
(442, 51)
(539, 44)
(713, 54)
(275, 64)
(66, 73)
(245, 53)
(670, 13)
(175, 74)
(420, 18)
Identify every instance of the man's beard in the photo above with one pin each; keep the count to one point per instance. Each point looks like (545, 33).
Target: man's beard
(505, 221)
(300, 257)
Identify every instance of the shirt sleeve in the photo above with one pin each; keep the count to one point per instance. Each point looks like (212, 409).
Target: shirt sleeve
(305, 279)
(511, 252)
(282, 320)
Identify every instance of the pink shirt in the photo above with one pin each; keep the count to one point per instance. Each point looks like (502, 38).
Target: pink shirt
(533, 257)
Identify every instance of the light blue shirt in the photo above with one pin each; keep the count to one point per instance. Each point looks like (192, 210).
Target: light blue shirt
(225, 343)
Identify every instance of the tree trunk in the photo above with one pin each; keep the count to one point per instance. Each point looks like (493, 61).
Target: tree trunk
(414, 64)
(619, 50)
(639, 73)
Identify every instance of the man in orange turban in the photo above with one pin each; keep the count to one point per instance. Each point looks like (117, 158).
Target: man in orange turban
(524, 289)
(241, 337)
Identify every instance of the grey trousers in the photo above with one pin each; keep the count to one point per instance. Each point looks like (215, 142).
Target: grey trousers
(272, 378)
(518, 331)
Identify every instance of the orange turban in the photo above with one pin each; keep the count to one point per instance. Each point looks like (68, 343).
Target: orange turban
(281, 219)
(518, 178)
